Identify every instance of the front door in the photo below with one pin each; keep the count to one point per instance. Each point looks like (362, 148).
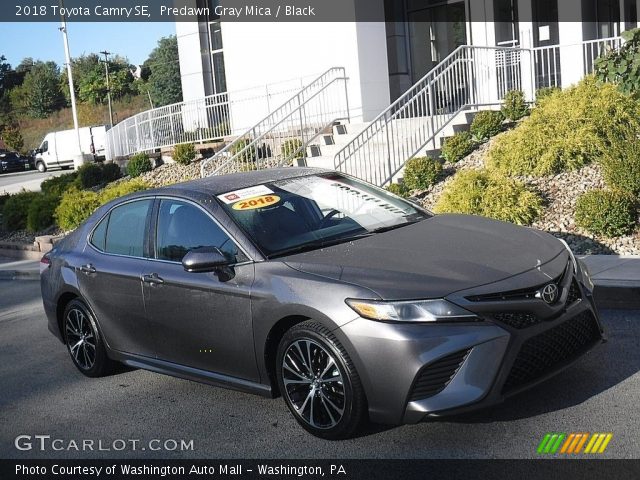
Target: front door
(199, 320)
(434, 32)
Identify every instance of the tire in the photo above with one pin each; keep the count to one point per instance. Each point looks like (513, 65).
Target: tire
(84, 342)
(41, 167)
(327, 399)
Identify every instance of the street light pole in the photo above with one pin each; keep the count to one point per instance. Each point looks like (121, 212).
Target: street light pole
(106, 72)
(63, 28)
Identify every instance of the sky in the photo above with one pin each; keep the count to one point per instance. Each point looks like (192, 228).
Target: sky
(43, 41)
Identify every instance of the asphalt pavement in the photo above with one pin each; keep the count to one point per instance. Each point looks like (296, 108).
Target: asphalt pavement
(43, 394)
(29, 180)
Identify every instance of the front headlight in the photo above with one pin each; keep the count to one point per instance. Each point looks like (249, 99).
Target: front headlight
(411, 311)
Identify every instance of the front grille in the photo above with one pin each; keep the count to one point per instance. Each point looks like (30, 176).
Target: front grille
(435, 377)
(574, 293)
(517, 320)
(550, 350)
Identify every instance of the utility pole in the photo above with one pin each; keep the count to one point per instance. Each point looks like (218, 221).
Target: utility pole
(106, 72)
(63, 28)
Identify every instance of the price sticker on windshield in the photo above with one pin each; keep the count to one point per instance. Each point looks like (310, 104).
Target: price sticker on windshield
(256, 202)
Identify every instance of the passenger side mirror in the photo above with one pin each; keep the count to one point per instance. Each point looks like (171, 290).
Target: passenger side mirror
(204, 259)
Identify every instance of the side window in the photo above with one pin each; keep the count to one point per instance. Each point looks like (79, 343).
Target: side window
(125, 228)
(183, 227)
(45, 146)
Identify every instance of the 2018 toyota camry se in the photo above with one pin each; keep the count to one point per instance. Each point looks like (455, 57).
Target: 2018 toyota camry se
(350, 302)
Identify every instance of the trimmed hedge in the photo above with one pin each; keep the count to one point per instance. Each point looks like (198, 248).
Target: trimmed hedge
(111, 172)
(16, 210)
(421, 173)
(399, 189)
(184, 154)
(479, 192)
(486, 124)
(457, 147)
(56, 186)
(608, 213)
(90, 175)
(290, 146)
(567, 131)
(621, 161)
(248, 155)
(138, 164)
(41, 212)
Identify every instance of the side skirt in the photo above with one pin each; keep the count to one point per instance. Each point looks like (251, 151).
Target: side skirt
(190, 373)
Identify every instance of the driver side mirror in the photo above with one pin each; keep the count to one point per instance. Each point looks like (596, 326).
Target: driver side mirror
(204, 259)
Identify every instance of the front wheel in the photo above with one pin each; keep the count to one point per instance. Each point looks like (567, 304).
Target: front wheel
(319, 382)
(84, 342)
(41, 167)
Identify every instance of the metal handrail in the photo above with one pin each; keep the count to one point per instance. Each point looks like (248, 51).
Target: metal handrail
(246, 145)
(471, 76)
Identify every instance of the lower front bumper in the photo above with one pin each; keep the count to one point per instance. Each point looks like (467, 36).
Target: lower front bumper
(496, 361)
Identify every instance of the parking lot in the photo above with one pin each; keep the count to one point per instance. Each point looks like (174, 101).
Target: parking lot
(29, 180)
(43, 394)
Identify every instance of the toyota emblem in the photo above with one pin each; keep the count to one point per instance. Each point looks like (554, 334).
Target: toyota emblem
(549, 293)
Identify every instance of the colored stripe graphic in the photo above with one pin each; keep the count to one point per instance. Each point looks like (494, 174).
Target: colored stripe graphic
(573, 443)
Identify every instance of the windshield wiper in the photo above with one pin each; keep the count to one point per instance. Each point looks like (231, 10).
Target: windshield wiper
(317, 244)
(392, 227)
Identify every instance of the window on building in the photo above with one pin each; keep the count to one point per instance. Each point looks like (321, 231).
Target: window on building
(217, 57)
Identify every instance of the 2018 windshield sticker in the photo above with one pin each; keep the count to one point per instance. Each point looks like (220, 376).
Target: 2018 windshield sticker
(251, 192)
(256, 202)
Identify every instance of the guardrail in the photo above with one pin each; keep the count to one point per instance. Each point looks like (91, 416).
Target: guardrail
(285, 133)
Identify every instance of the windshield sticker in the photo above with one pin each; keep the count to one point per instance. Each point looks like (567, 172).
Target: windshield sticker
(256, 191)
(256, 202)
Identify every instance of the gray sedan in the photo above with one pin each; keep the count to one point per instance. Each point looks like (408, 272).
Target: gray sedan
(350, 302)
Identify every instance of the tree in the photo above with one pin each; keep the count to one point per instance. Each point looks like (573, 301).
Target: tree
(164, 81)
(40, 93)
(90, 81)
(13, 138)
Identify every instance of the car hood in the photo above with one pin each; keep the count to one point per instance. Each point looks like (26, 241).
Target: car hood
(432, 258)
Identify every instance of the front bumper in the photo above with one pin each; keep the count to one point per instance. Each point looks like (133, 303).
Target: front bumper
(412, 371)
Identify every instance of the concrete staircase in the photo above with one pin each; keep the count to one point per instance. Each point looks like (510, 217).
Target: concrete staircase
(321, 153)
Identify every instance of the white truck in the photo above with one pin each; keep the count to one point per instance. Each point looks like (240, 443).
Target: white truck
(58, 149)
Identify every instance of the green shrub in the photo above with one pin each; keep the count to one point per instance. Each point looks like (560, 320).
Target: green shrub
(16, 210)
(479, 192)
(3, 198)
(184, 154)
(248, 155)
(622, 66)
(138, 164)
(544, 93)
(457, 147)
(111, 172)
(606, 212)
(621, 161)
(291, 146)
(121, 189)
(75, 207)
(567, 131)
(486, 124)
(41, 212)
(399, 189)
(78, 205)
(515, 105)
(421, 173)
(56, 186)
(90, 175)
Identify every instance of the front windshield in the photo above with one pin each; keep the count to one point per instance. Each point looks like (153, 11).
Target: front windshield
(310, 212)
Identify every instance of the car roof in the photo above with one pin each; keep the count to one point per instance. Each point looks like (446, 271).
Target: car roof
(219, 184)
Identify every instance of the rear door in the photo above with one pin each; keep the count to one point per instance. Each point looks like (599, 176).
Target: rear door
(200, 320)
(110, 276)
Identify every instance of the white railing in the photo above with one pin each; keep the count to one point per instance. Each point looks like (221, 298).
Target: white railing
(547, 66)
(285, 133)
(204, 119)
(471, 77)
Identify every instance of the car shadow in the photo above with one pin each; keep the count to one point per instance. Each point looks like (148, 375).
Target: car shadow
(583, 245)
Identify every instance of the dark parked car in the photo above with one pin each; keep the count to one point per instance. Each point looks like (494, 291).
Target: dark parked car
(13, 162)
(350, 302)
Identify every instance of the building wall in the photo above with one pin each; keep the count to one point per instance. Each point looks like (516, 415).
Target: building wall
(195, 67)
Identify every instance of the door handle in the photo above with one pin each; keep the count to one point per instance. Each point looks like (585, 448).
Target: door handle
(152, 279)
(88, 269)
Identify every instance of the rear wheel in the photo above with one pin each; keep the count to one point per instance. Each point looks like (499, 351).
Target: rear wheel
(83, 340)
(41, 167)
(319, 382)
